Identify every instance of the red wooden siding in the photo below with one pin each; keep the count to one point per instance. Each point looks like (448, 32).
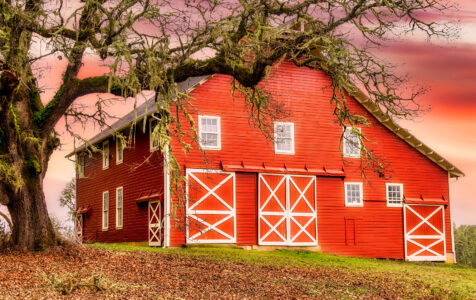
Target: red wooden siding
(135, 176)
(305, 95)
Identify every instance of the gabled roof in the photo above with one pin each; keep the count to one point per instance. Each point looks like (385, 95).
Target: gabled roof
(150, 107)
(145, 109)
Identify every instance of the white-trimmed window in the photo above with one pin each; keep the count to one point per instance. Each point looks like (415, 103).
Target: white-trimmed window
(80, 162)
(105, 155)
(351, 143)
(119, 207)
(209, 132)
(353, 194)
(105, 210)
(153, 138)
(394, 194)
(283, 138)
(119, 150)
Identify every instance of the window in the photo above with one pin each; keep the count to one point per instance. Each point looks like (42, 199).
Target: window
(353, 194)
(394, 194)
(105, 155)
(284, 138)
(119, 150)
(209, 132)
(119, 207)
(351, 147)
(80, 166)
(105, 210)
(153, 134)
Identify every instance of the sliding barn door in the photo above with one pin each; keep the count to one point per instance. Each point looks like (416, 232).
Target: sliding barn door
(210, 206)
(272, 210)
(287, 210)
(424, 232)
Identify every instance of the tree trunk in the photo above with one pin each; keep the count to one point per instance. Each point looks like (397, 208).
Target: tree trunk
(32, 228)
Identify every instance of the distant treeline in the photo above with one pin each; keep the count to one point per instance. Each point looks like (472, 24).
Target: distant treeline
(465, 242)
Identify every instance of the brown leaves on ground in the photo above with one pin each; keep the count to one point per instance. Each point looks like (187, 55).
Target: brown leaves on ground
(132, 275)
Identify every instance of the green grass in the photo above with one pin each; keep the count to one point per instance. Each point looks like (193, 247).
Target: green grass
(457, 278)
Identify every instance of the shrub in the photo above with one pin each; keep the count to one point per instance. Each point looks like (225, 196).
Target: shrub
(465, 243)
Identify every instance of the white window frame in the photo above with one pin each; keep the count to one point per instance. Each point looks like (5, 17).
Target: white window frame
(119, 142)
(105, 155)
(387, 185)
(361, 203)
(117, 208)
(344, 144)
(105, 212)
(151, 142)
(200, 131)
(80, 166)
(276, 150)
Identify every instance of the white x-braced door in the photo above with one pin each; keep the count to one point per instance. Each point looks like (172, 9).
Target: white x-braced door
(424, 232)
(210, 206)
(155, 223)
(287, 210)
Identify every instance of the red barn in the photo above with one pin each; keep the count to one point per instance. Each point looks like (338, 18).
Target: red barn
(303, 188)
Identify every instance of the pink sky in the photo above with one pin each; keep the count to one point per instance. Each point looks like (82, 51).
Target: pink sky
(448, 67)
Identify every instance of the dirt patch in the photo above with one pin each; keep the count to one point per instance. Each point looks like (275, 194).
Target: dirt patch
(132, 275)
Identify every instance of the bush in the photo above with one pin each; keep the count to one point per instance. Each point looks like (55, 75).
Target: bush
(465, 243)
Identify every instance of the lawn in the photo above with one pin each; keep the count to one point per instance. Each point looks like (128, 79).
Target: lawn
(128, 272)
(458, 280)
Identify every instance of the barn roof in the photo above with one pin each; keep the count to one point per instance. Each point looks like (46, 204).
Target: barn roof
(146, 108)
(149, 107)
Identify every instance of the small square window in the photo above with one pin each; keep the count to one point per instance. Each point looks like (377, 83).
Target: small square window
(351, 143)
(394, 194)
(209, 132)
(105, 210)
(353, 194)
(154, 135)
(283, 138)
(105, 155)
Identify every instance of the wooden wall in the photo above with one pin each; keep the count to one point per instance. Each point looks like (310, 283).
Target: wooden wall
(304, 94)
(373, 230)
(137, 174)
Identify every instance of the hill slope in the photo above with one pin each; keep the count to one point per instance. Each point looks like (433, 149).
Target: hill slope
(205, 272)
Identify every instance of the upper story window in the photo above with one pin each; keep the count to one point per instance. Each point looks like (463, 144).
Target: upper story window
(105, 155)
(283, 138)
(353, 194)
(394, 194)
(351, 143)
(119, 207)
(153, 134)
(119, 150)
(105, 210)
(80, 164)
(209, 132)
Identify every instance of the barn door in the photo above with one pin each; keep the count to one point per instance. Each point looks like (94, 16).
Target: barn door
(287, 210)
(273, 209)
(302, 211)
(424, 232)
(210, 206)
(155, 223)
(78, 227)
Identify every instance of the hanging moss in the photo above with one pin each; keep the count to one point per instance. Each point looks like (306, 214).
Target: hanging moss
(10, 175)
(32, 164)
